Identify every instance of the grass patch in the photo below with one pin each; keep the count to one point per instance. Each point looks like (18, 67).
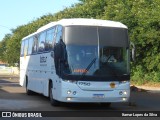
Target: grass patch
(146, 83)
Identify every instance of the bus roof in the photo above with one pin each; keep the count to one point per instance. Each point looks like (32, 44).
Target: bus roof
(41, 29)
(83, 21)
(90, 22)
(79, 21)
(46, 26)
(29, 35)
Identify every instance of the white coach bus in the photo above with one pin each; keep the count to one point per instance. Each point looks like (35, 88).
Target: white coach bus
(77, 60)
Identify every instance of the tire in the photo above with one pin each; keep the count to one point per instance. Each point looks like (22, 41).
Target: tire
(28, 92)
(52, 100)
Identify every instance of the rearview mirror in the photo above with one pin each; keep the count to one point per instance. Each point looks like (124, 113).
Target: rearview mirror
(133, 51)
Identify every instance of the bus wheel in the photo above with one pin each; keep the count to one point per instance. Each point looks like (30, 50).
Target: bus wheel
(52, 100)
(28, 92)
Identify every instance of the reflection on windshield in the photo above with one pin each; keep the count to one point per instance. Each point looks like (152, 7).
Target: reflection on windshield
(96, 51)
(112, 61)
(79, 57)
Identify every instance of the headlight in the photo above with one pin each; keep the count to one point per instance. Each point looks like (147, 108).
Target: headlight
(69, 92)
(123, 93)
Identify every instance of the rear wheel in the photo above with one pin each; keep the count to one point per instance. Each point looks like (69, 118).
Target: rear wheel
(28, 92)
(52, 100)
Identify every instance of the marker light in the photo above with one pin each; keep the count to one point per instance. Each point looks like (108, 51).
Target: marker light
(69, 92)
(121, 82)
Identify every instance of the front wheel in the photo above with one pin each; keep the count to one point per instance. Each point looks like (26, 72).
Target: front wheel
(52, 100)
(28, 92)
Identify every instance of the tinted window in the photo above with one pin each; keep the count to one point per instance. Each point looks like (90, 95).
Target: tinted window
(26, 48)
(110, 36)
(35, 44)
(30, 45)
(42, 42)
(59, 34)
(88, 35)
(104, 50)
(81, 35)
(49, 39)
(22, 48)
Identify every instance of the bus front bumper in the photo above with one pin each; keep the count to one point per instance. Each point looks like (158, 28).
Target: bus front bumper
(95, 96)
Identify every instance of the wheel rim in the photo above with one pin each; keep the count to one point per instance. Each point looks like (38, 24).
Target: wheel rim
(26, 86)
(51, 96)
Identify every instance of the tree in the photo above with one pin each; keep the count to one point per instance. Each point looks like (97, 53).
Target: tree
(141, 16)
(3, 48)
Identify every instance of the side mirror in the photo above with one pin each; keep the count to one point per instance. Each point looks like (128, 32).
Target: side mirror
(52, 54)
(133, 51)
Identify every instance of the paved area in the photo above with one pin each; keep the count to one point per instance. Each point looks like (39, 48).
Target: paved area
(13, 98)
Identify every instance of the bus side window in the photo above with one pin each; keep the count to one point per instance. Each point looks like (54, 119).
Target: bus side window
(57, 49)
(49, 39)
(35, 44)
(41, 41)
(58, 34)
(26, 48)
(22, 48)
(30, 46)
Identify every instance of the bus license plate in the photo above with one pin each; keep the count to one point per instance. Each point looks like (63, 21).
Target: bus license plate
(98, 96)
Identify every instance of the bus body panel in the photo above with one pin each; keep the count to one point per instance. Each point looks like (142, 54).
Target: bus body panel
(38, 72)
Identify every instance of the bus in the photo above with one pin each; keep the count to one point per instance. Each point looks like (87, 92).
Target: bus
(77, 61)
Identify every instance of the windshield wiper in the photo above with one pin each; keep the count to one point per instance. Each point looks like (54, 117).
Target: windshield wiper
(88, 67)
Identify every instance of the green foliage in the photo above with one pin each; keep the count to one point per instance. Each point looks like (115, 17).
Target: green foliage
(3, 48)
(141, 16)
(143, 20)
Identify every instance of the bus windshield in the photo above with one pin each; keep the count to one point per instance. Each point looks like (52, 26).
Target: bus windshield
(96, 51)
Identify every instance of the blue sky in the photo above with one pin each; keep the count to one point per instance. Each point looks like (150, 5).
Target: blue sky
(14, 13)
